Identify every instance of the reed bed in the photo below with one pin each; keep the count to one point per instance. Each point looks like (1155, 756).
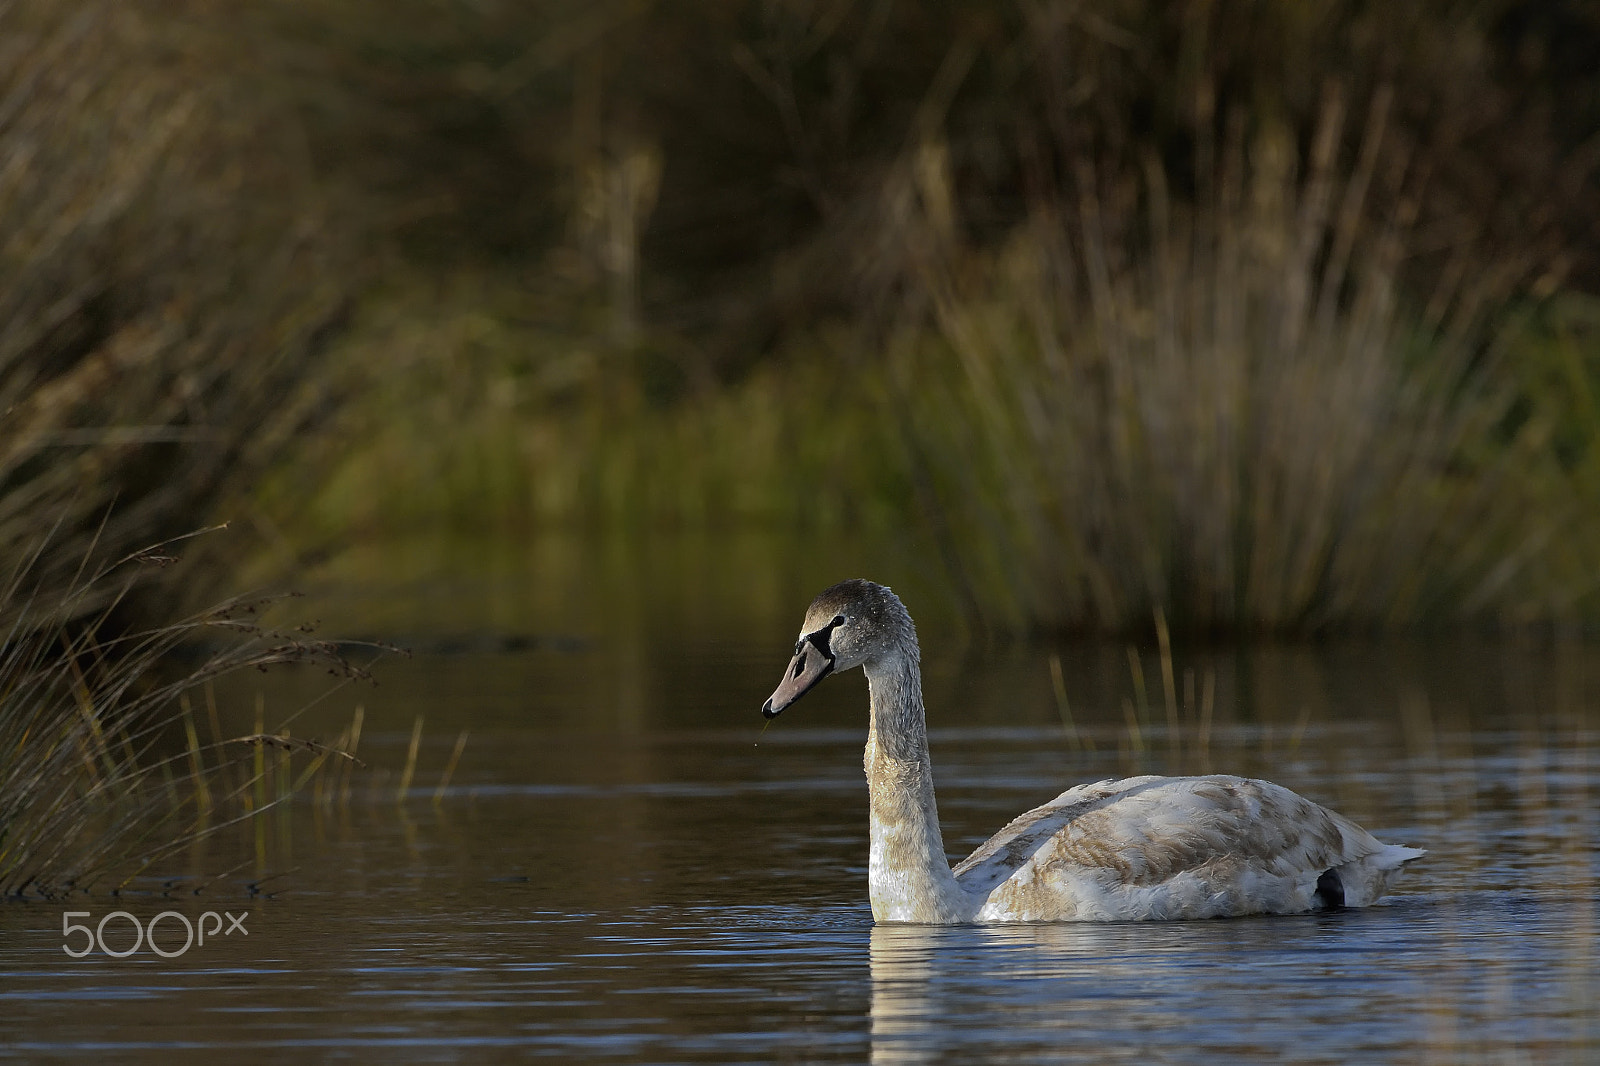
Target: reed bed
(166, 286)
(166, 282)
(1269, 316)
(1250, 313)
(1231, 412)
(102, 765)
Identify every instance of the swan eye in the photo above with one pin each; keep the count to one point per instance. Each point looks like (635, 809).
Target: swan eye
(838, 620)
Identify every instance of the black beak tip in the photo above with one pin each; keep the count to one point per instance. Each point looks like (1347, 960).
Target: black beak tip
(767, 711)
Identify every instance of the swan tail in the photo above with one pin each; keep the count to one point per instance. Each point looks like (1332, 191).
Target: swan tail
(1393, 856)
(1366, 880)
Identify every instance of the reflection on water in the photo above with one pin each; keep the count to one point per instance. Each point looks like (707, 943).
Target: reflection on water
(618, 874)
(1417, 979)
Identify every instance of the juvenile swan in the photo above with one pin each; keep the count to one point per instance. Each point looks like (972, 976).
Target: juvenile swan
(1142, 847)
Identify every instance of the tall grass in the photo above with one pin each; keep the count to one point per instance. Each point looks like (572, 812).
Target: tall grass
(1230, 411)
(166, 279)
(102, 769)
(1233, 310)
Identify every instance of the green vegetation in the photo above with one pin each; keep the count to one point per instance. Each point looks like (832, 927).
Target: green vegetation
(1269, 316)
(1273, 316)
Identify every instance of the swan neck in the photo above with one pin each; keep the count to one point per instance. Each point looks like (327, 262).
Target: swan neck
(908, 873)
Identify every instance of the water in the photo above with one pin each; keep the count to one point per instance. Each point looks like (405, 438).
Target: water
(617, 873)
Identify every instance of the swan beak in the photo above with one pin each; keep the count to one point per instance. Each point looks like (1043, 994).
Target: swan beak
(809, 665)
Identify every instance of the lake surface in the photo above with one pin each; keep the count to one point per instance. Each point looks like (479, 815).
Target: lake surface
(616, 872)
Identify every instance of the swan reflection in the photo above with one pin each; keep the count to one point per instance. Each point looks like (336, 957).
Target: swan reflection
(1108, 992)
(939, 987)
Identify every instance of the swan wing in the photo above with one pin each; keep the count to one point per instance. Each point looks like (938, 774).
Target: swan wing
(1173, 847)
(1019, 842)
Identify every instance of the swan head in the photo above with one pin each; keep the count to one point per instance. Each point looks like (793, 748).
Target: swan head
(851, 624)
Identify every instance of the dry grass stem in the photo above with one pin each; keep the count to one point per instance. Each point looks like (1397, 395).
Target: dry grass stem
(450, 767)
(411, 761)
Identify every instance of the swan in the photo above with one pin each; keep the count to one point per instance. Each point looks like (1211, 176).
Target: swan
(1139, 848)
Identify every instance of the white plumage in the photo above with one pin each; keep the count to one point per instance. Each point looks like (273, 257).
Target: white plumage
(1138, 848)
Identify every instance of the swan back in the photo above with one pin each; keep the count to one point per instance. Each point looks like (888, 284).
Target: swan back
(1187, 847)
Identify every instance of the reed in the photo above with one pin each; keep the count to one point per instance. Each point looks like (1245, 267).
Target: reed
(1205, 413)
(1276, 362)
(1058, 687)
(165, 283)
(92, 786)
(450, 768)
(411, 761)
(1229, 411)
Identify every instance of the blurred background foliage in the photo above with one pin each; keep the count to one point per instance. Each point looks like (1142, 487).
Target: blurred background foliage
(1278, 316)
(167, 285)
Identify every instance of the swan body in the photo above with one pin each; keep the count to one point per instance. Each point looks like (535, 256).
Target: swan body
(1137, 848)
